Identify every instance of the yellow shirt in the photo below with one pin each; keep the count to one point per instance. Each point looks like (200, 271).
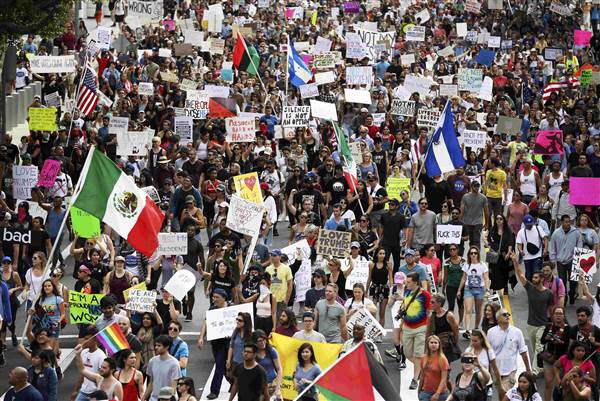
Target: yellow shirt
(514, 148)
(279, 281)
(494, 181)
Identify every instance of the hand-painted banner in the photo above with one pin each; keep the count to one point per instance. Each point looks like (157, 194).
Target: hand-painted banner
(247, 187)
(549, 142)
(84, 308)
(48, 174)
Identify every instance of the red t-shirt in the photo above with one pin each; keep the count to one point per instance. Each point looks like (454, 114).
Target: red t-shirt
(432, 372)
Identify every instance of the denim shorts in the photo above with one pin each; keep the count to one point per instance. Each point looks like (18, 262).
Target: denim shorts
(474, 292)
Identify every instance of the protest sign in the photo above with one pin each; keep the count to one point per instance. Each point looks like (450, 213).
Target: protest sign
(421, 85)
(169, 76)
(506, 44)
(494, 42)
(583, 265)
(140, 286)
(324, 61)
(508, 125)
(470, 79)
(472, 36)
(287, 348)
(217, 46)
(448, 234)
(217, 90)
(448, 90)
(295, 116)
(357, 96)
(188, 85)
(302, 278)
(183, 49)
(240, 129)
(474, 139)
(24, 178)
(586, 78)
(373, 328)
(309, 90)
(473, 6)
(118, 125)
(151, 10)
(396, 185)
(104, 37)
(359, 273)
(485, 92)
(415, 34)
(42, 119)
(220, 322)
(334, 243)
(378, 119)
(52, 99)
(132, 143)
(371, 38)
(351, 7)
(407, 59)
(359, 75)
(428, 117)
(53, 64)
(172, 244)
(355, 48)
(549, 142)
(494, 4)
(193, 36)
(422, 16)
(48, 174)
(485, 57)
(356, 151)
(560, 8)
(584, 191)
(164, 52)
(581, 38)
(141, 301)
(146, 88)
(323, 45)
(247, 187)
(324, 110)
(180, 283)
(84, 308)
(553, 53)
(243, 216)
(197, 104)
(184, 128)
(322, 78)
(84, 224)
(461, 29)
(404, 108)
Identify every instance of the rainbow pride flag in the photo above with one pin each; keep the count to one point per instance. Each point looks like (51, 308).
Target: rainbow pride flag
(112, 339)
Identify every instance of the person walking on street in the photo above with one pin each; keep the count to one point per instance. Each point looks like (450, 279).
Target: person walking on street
(331, 317)
(563, 242)
(532, 243)
(473, 208)
(249, 378)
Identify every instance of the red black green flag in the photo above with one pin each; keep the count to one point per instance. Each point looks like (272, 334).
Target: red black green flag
(245, 58)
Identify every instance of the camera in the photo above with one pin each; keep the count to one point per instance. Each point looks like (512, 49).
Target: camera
(400, 315)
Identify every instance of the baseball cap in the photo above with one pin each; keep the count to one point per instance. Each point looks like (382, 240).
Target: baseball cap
(319, 272)
(409, 252)
(223, 204)
(276, 252)
(528, 220)
(221, 292)
(120, 259)
(354, 244)
(189, 199)
(166, 393)
(84, 269)
(6, 259)
(394, 202)
(399, 277)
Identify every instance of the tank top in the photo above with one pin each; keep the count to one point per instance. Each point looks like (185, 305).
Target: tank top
(528, 183)
(130, 389)
(555, 184)
(117, 285)
(110, 392)
(10, 283)
(263, 308)
(441, 324)
(202, 151)
(379, 275)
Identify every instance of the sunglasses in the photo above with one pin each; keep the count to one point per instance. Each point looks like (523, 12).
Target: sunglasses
(473, 253)
(423, 203)
(173, 329)
(453, 249)
(506, 314)
(239, 320)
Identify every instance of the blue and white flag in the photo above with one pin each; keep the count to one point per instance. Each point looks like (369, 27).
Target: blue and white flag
(444, 153)
(299, 73)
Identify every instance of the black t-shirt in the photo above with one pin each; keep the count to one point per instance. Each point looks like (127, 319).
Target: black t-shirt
(392, 226)
(338, 188)
(315, 196)
(95, 284)
(577, 333)
(379, 194)
(163, 311)
(250, 382)
(380, 160)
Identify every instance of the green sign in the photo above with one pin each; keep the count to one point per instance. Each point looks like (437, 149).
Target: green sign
(84, 224)
(84, 308)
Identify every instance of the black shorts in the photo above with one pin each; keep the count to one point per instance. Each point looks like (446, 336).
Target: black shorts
(111, 5)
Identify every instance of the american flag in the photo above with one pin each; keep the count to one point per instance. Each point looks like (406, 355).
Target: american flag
(558, 86)
(87, 98)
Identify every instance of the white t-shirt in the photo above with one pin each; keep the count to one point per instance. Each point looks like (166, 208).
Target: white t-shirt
(535, 236)
(484, 358)
(356, 305)
(514, 395)
(92, 362)
(475, 274)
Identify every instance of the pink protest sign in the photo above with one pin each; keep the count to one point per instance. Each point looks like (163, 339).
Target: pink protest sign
(289, 13)
(307, 58)
(584, 191)
(169, 25)
(48, 173)
(549, 142)
(352, 7)
(581, 38)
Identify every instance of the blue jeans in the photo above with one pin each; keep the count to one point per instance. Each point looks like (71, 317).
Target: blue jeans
(532, 266)
(82, 397)
(426, 396)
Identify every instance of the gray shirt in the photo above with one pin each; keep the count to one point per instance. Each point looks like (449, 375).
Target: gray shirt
(423, 226)
(329, 320)
(539, 302)
(562, 245)
(473, 205)
(314, 336)
(162, 372)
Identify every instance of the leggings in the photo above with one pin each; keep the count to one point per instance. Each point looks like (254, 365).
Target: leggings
(451, 298)
(188, 304)
(14, 307)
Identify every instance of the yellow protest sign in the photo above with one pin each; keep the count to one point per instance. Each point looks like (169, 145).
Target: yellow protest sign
(140, 286)
(287, 348)
(396, 185)
(84, 308)
(247, 187)
(42, 119)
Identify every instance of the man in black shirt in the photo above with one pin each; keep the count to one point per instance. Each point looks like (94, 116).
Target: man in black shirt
(392, 223)
(337, 187)
(194, 255)
(250, 379)
(315, 196)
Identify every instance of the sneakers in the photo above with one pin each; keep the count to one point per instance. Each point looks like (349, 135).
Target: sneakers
(379, 339)
(401, 365)
(467, 335)
(14, 340)
(392, 353)
(211, 396)
(188, 318)
(413, 384)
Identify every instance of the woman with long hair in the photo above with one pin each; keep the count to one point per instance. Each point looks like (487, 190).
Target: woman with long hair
(307, 370)
(14, 284)
(151, 327)
(555, 340)
(589, 235)
(268, 358)
(475, 282)
(337, 276)
(366, 236)
(525, 389)
(34, 278)
(501, 242)
(358, 300)
(434, 372)
(482, 349)
(575, 359)
(543, 203)
(470, 384)
(574, 387)
(516, 211)
(221, 277)
(489, 316)
(452, 277)
(265, 306)
(131, 379)
(379, 282)
(49, 312)
(185, 389)
(241, 335)
(360, 202)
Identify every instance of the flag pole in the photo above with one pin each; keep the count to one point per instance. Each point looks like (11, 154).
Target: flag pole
(257, 72)
(60, 230)
(77, 96)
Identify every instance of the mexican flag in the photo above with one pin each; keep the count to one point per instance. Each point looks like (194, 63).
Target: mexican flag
(353, 378)
(348, 163)
(245, 58)
(111, 196)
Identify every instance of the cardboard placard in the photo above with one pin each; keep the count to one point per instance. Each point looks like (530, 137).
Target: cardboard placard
(141, 301)
(334, 243)
(197, 104)
(184, 128)
(295, 116)
(24, 178)
(474, 139)
(180, 283)
(448, 234)
(48, 174)
(549, 142)
(42, 119)
(220, 322)
(244, 217)
(584, 265)
(428, 117)
(404, 108)
(53, 64)
(84, 308)
(172, 244)
(240, 129)
(359, 75)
